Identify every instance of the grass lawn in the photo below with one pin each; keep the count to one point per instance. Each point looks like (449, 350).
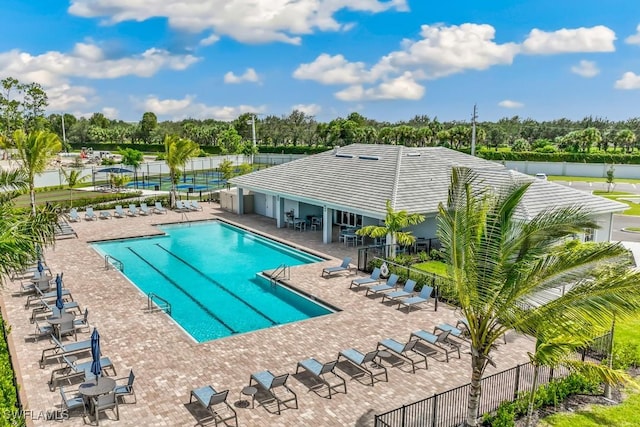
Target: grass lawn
(634, 208)
(588, 179)
(627, 414)
(434, 267)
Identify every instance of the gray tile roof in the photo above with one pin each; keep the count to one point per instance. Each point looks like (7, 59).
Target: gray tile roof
(362, 177)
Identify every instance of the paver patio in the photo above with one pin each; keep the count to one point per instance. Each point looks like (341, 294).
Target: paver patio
(168, 363)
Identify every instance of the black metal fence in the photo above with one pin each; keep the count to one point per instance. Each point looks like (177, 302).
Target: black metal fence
(449, 409)
(4, 327)
(367, 254)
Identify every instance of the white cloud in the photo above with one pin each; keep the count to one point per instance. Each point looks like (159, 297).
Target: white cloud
(634, 38)
(329, 70)
(55, 70)
(594, 39)
(402, 87)
(628, 81)
(110, 112)
(586, 69)
(249, 75)
(179, 109)
(252, 21)
(507, 103)
(447, 50)
(207, 41)
(308, 109)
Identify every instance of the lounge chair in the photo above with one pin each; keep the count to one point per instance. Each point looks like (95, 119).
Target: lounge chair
(390, 285)
(90, 215)
(180, 205)
(374, 278)
(439, 342)
(102, 402)
(104, 215)
(144, 209)
(195, 206)
(119, 212)
(423, 298)
(215, 403)
(123, 390)
(61, 349)
(365, 362)
(73, 370)
(321, 371)
(83, 322)
(277, 387)
(406, 291)
(186, 205)
(73, 215)
(47, 296)
(328, 271)
(159, 209)
(405, 351)
(132, 211)
(46, 307)
(453, 331)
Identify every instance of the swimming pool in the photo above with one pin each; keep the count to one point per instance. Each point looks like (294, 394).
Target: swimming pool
(208, 272)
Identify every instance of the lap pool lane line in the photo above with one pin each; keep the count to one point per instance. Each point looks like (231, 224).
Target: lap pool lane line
(219, 285)
(198, 303)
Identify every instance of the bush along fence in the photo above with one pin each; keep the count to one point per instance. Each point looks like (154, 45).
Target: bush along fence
(10, 405)
(449, 409)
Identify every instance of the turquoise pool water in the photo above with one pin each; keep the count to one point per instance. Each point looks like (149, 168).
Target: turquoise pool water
(208, 272)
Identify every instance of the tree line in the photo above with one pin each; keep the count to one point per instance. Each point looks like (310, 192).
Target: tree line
(22, 106)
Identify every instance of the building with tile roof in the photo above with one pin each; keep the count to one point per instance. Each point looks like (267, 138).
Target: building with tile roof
(349, 186)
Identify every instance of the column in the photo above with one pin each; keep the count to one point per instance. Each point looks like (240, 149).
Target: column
(279, 208)
(240, 201)
(327, 224)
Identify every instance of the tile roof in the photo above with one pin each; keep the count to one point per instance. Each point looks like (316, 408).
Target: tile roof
(360, 178)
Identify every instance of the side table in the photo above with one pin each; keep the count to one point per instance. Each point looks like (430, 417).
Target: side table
(248, 391)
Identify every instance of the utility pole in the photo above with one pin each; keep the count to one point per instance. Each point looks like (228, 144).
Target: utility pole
(473, 130)
(64, 135)
(253, 134)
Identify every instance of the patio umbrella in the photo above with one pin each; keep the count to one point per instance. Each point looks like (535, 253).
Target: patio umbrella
(40, 267)
(96, 369)
(59, 303)
(115, 170)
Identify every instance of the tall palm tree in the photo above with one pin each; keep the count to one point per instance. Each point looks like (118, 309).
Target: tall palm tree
(21, 236)
(35, 149)
(393, 228)
(499, 264)
(177, 152)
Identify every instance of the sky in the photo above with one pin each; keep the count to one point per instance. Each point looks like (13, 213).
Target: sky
(386, 59)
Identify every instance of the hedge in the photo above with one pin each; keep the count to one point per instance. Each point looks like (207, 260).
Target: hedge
(291, 149)
(633, 159)
(9, 414)
(145, 148)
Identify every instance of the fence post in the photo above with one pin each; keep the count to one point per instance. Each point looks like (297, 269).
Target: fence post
(404, 410)
(551, 375)
(434, 411)
(516, 389)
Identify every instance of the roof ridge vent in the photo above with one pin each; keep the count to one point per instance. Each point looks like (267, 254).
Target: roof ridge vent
(366, 157)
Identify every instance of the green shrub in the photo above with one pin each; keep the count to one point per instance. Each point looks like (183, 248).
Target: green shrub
(616, 158)
(436, 255)
(625, 355)
(291, 149)
(8, 401)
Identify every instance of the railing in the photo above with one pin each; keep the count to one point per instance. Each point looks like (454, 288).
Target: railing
(283, 271)
(153, 305)
(365, 255)
(114, 261)
(184, 217)
(449, 408)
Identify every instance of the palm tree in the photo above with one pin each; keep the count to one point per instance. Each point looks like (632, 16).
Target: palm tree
(499, 264)
(21, 236)
(394, 224)
(34, 152)
(73, 178)
(177, 152)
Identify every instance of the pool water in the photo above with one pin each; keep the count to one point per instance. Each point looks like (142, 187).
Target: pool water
(208, 273)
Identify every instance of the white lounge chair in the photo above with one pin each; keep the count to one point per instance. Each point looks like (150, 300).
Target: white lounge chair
(73, 215)
(328, 271)
(144, 209)
(132, 211)
(90, 215)
(195, 206)
(159, 209)
(119, 212)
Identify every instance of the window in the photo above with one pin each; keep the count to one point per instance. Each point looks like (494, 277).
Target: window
(588, 235)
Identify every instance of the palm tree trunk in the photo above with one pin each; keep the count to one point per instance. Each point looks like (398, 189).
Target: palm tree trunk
(532, 397)
(32, 195)
(477, 364)
(172, 194)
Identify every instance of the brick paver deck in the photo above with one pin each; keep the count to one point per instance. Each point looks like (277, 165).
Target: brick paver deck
(168, 363)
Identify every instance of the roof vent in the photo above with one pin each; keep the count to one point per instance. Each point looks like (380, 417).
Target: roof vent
(369, 157)
(413, 154)
(346, 156)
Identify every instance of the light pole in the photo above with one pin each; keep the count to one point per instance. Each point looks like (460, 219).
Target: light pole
(253, 135)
